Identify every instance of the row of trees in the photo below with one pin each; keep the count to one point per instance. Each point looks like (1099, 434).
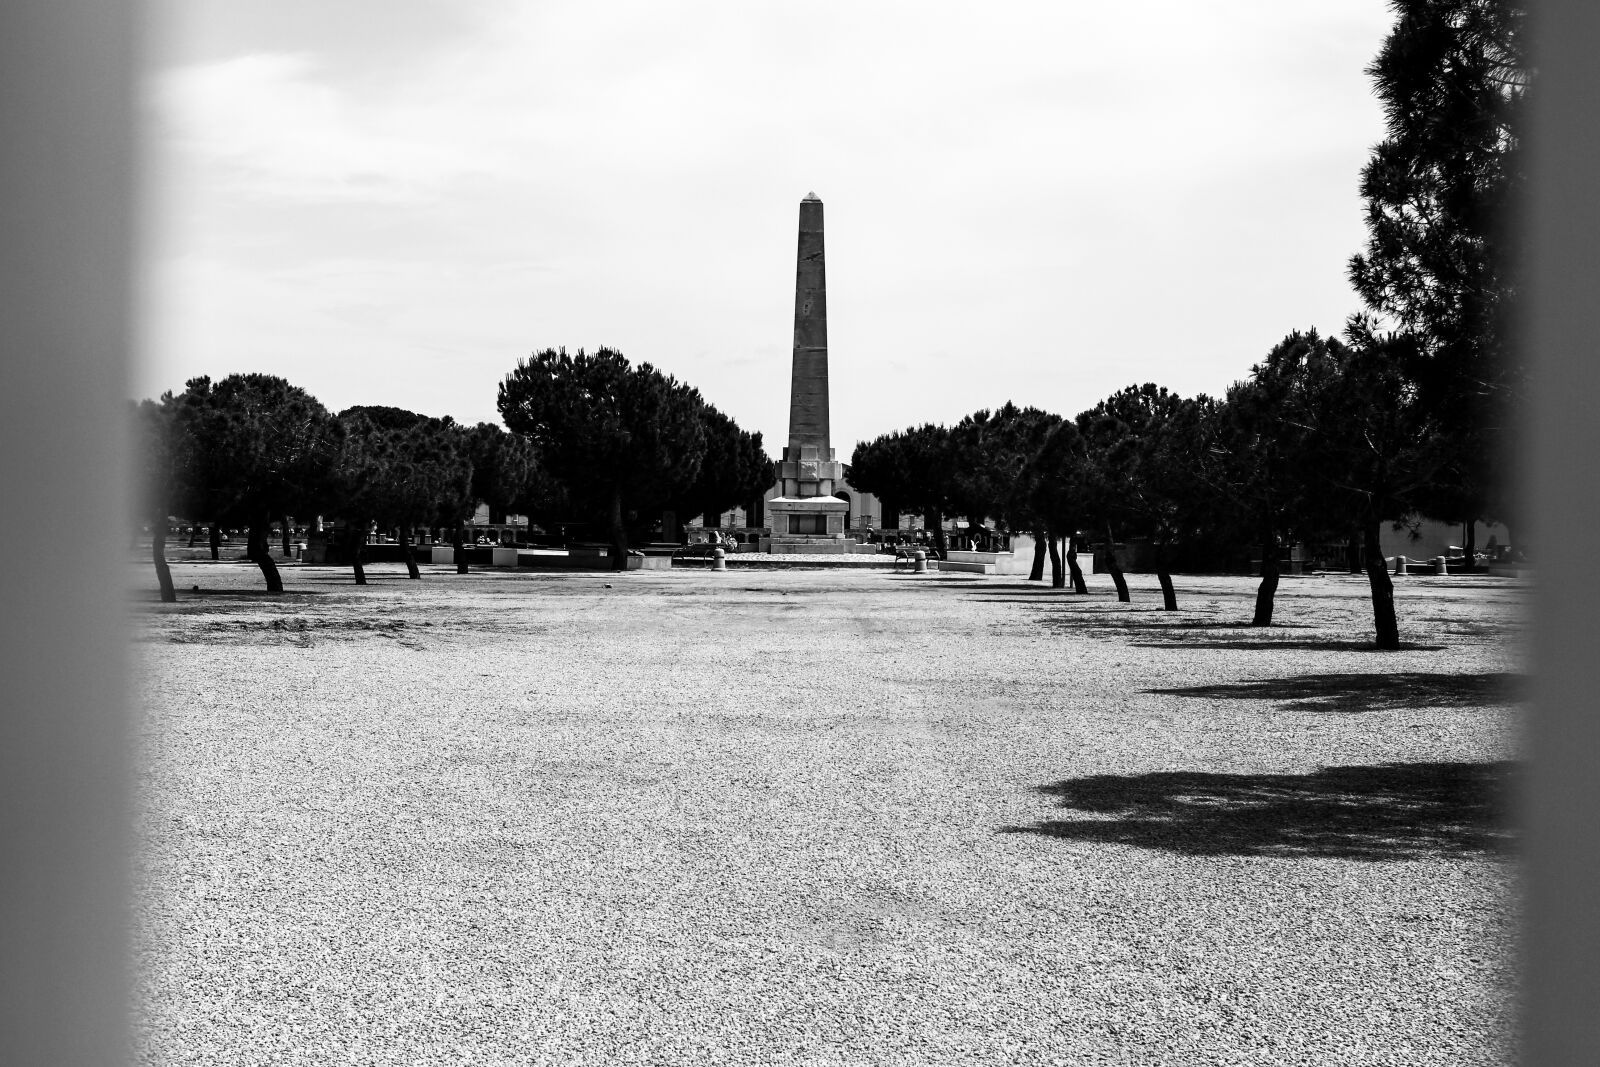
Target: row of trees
(594, 440)
(252, 450)
(1324, 441)
(1408, 415)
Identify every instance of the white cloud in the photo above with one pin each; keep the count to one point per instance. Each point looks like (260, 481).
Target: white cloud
(274, 125)
(1064, 187)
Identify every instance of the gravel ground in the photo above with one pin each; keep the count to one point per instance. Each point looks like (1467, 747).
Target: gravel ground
(822, 818)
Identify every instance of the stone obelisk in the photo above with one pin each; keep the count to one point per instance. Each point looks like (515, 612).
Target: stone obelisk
(805, 512)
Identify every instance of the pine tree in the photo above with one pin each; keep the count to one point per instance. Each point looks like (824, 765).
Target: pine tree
(734, 470)
(262, 448)
(1370, 443)
(914, 468)
(164, 458)
(618, 439)
(1144, 475)
(398, 469)
(1439, 262)
(1255, 462)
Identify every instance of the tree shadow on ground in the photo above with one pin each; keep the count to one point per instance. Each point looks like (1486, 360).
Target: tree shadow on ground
(1024, 594)
(1350, 693)
(1392, 811)
(202, 601)
(1107, 629)
(249, 594)
(1066, 601)
(1308, 644)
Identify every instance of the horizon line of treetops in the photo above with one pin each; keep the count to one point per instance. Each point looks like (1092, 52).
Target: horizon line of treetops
(1327, 439)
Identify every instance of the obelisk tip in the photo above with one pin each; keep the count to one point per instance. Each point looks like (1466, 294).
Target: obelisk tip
(813, 196)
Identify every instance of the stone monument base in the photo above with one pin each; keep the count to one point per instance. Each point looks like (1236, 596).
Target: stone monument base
(834, 546)
(803, 524)
(807, 517)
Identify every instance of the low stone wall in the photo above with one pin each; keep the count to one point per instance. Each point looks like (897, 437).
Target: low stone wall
(336, 554)
(583, 560)
(1006, 562)
(780, 546)
(577, 559)
(967, 566)
(477, 555)
(794, 561)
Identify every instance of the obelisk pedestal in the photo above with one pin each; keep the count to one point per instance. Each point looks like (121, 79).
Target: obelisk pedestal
(805, 515)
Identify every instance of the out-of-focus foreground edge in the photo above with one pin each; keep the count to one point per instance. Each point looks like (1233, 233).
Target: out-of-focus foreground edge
(1561, 444)
(68, 141)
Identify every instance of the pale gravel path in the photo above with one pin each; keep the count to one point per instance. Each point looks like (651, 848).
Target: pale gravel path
(795, 817)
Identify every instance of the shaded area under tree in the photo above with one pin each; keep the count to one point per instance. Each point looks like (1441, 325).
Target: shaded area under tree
(1391, 811)
(1351, 693)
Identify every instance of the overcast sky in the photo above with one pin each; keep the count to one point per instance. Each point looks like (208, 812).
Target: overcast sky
(391, 201)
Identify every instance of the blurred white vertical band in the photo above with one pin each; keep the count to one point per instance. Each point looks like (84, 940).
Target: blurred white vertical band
(1562, 803)
(67, 140)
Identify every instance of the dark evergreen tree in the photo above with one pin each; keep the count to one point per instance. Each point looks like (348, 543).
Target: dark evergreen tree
(1256, 462)
(505, 476)
(734, 470)
(915, 469)
(1372, 444)
(262, 448)
(989, 453)
(1052, 488)
(1145, 471)
(164, 461)
(397, 469)
(1440, 262)
(618, 439)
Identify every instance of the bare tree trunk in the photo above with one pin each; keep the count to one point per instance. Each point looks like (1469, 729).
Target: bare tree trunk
(258, 552)
(461, 549)
(411, 559)
(357, 537)
(1057, 576)
(1169, 596)
(1384, 623)
(1116, 569)
(619, 536)
(216, 542)
(158, 556)
(1037, 573)
(1074, 571)
(1268, 589)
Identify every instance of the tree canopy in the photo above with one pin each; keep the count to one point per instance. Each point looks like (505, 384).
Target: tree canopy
(1440, 190)
(734, 471)
(618, 438)
(990, 455)
(398, 468)
(163, 463)
(1143, 470)
(912, 468)
(262, 449)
